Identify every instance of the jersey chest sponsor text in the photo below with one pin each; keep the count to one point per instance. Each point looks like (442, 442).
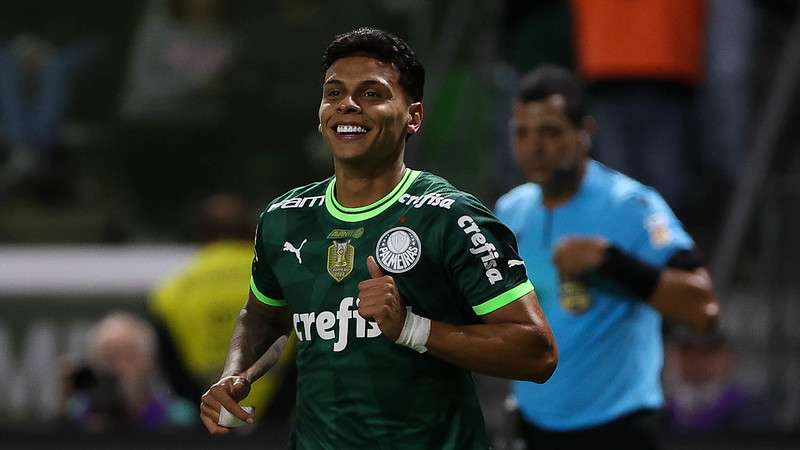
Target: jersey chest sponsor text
(335, 326)
(298, 202)
(430, 199)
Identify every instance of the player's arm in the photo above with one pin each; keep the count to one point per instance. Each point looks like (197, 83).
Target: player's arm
(514, 342)
(681, 291)
(259, 327)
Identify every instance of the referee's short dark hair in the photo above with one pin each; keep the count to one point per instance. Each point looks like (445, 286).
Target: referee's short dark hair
(549, 79)
(384, 47)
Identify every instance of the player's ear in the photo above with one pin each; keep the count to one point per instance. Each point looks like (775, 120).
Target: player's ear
(415, 114)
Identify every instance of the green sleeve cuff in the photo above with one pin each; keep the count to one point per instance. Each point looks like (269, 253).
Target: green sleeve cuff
(503, 299)
(263, 298)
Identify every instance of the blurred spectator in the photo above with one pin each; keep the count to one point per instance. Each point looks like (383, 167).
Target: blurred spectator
(118, 387)
(179, 62)
(702, 393)
(175, 104)
(643, 60)
(196, 309)
(43, 47)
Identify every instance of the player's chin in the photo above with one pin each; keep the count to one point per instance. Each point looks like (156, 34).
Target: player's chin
(350, 153)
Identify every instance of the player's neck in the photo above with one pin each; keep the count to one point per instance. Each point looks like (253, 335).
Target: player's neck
(561, 190)
(358, 186)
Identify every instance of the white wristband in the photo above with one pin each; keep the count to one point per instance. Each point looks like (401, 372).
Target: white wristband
(415, 332)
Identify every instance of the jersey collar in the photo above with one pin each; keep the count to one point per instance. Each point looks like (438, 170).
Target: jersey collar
(362, 213)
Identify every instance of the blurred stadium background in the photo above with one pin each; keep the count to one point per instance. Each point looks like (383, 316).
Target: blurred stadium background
(100, 197)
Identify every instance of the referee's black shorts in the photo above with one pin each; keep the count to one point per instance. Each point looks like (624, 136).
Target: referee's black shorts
(638, 430)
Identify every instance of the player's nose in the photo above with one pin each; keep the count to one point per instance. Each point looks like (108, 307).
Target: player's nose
(348, 105)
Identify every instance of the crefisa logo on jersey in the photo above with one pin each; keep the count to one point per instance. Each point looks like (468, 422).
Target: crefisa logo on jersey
(398, 250)
(482, 248)
(335, 325)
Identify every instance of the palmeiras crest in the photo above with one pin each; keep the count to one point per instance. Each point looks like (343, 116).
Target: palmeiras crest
(398, 250)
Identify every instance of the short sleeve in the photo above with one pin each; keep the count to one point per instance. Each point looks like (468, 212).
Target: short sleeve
(263, 282)
(481, 257)
(503, 208)
(654, 234)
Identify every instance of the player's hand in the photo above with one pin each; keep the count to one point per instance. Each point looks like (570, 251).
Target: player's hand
(227, 393)
(381, 302)
(576, 256)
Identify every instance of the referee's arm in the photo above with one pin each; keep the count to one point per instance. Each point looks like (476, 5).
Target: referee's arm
(685, 295)
(681, 291)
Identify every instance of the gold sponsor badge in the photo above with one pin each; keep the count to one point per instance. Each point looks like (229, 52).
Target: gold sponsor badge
(574, 297)
(340, 259)
(343, 234)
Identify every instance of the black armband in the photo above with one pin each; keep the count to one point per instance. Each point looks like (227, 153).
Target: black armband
(687, 259)
(640, 278)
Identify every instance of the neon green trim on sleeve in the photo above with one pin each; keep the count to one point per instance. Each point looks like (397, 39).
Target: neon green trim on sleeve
(503, 299)
(263, 298)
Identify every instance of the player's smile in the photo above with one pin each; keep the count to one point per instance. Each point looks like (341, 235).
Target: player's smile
(349, 131)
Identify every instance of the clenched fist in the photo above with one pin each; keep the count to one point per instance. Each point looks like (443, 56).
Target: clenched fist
(576, 256)
(381, 302)
(227, 393)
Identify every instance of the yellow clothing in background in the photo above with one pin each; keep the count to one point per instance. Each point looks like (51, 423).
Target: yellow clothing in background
(199, 307)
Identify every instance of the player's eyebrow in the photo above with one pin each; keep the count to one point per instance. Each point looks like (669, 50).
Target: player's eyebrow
(363, 83)
(374, 83)
(333, 81)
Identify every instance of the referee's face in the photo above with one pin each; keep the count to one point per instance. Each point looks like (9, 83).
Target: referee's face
(544, 139)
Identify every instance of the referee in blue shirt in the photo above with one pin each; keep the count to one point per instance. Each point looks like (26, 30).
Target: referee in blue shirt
(609, 259)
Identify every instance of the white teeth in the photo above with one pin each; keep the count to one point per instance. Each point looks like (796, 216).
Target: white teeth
(350, 129)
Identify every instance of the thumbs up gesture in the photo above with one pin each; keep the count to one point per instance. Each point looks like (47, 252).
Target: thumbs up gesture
(381, 302)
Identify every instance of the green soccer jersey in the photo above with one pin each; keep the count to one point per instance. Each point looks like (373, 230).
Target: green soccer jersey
(452, 261)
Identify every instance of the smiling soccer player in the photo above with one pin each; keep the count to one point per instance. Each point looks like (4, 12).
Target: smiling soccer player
(402, 286)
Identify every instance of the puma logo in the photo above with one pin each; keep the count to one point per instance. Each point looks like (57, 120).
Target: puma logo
(288, 247)
(515, 262)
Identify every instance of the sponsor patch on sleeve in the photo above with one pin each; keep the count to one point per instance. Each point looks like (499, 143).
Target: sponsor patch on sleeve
(658, 228)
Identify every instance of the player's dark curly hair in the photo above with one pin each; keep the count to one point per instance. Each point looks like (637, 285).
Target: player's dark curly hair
(384, 47)
(549, 79)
